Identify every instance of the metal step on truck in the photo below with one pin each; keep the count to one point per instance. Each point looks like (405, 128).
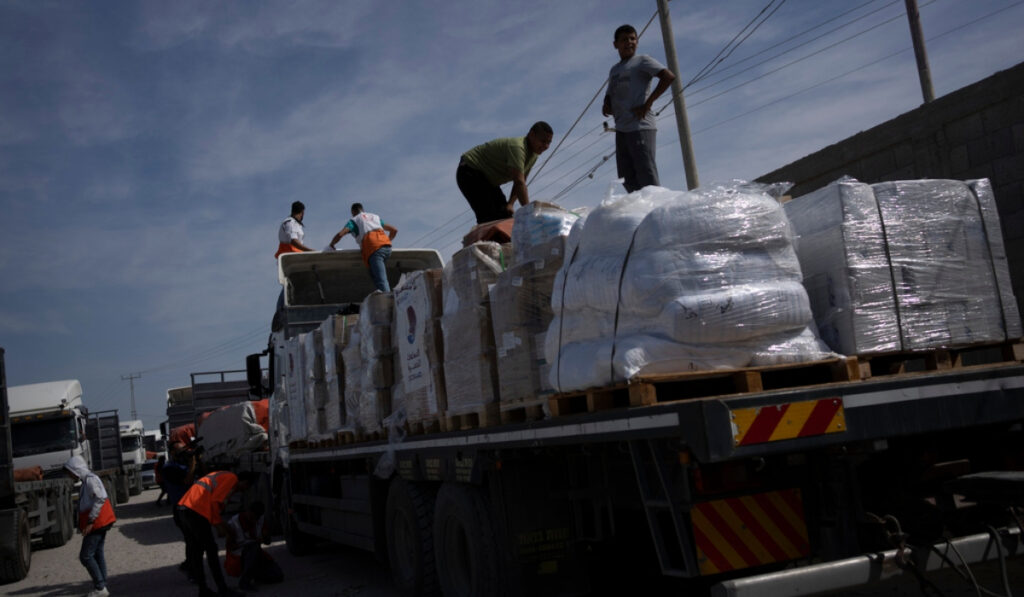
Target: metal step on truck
(40, 508)
(799, 478)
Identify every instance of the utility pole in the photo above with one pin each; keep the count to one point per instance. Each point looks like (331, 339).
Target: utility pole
(682, 123)
(923, 72)
(131, 377)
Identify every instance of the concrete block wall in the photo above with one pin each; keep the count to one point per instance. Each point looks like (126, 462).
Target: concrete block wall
(973, 132)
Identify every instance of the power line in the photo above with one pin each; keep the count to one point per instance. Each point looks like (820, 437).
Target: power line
(729, 48)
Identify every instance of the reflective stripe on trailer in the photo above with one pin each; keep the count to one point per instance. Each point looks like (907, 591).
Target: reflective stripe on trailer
(787, 421)
(752, 530)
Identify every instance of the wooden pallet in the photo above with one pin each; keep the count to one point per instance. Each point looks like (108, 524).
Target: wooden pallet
(485, 416)
(652, 389)
(521, 411)
(423, 426)
(940, 359)
(343, 438)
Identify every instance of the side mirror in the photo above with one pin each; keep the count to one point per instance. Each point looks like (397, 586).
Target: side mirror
(254, 375)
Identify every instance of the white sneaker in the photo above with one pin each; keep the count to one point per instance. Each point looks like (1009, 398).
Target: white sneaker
(99, 593)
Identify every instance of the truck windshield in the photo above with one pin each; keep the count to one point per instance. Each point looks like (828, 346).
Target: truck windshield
(38, 437)
(130, 443)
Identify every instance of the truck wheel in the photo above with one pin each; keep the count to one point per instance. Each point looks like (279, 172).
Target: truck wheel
(15, 546)
(122, 490)
(409, 520)
(464, 543)
(136, 486)
(298, 543)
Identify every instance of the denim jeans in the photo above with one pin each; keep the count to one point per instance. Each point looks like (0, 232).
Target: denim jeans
(378, 272)
(92, 558)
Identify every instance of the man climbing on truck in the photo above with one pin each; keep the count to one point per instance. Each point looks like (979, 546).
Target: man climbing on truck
(483, 169)
(95, 517)
(369, 232)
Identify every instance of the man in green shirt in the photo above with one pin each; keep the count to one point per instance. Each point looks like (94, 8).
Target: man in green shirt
(483, 169)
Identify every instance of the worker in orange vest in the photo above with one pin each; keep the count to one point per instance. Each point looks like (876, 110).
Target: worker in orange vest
(289, 235)
(369, 231)
(95, 517)
(199, 512)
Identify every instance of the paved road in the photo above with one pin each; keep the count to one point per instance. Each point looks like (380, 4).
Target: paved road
(144, 549)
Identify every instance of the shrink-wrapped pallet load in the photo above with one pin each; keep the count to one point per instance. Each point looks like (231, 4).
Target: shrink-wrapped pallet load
(521, 300)
(660, 281)
(470, 369)
(905, 265)
(842, 252)
(352, 358)
(375, 316)
(419, 355)
(296, 393)
(315, 396)
(335, 331)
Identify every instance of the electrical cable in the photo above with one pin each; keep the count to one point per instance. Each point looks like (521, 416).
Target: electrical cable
(727, 50)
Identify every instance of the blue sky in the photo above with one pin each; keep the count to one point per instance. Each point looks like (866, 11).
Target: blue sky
(149, 150)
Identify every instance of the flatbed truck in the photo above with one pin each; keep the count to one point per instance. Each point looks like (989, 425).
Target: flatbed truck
(29, 510)
(785, 480)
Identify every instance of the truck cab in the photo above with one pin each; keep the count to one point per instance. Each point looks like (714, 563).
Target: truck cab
(48, 425)
(133, 449)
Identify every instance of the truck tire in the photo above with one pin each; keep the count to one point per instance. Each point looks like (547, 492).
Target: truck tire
(122, 489)
(15, 546)
(409, 523)
(297, 542)
(464, 543)
(62, 530)
(136, 485)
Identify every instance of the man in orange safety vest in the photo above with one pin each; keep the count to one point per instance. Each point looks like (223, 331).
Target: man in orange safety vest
(375, 245)
(199, 512)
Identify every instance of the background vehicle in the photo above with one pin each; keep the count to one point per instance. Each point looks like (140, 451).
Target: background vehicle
(41, 508)
(133, 454)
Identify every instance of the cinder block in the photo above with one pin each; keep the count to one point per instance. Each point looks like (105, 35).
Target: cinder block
(1018, 137)
(958, 161)
(1008, 170)
(1002, 142)
(879, 164)
(965, 129)
(979, 151)
(904, 154)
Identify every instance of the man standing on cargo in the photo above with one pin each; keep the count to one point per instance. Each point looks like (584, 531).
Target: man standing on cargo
(95, 517)
(369, 232)
(289, 235)
(483, 169)
(635, 126)
(199, 511)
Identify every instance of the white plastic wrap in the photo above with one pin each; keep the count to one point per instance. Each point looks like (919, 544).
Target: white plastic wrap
(665, 281)
(520, 314)
(470, 368)
(376, 377)
(231, 431)
(539, 231)
(296, 389)
(842, 251)
(905, 265)
(352, 357)
(336, 332)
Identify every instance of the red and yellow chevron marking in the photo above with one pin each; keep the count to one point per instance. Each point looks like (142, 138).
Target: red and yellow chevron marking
(747, 531)
(787, 421)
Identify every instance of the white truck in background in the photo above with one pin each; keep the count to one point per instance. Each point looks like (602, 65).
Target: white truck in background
(41, 425)
(133, 453)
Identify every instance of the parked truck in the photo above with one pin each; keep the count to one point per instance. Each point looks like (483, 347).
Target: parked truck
(133, 454)
(103, 430)
(792, 480)
(40, 425)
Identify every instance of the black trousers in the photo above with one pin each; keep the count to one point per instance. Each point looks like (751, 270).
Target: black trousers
(199, 539)
(486, 199)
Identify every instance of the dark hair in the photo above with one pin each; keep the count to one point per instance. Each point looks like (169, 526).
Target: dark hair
(624, 30)
(251, 477)
(297, 207)
(356, 208)
(541, 127)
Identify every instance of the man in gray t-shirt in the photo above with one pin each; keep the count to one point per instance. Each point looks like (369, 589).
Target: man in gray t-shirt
(627, 100)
